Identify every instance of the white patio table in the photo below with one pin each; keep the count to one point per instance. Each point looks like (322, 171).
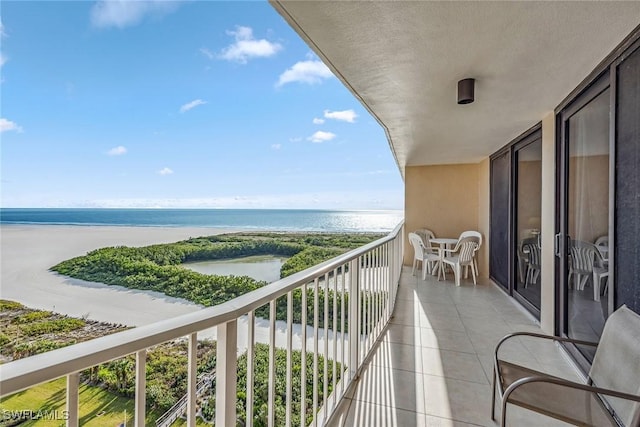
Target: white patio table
(443, 243)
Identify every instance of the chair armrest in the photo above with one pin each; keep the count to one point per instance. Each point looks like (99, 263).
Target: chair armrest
(543, 336)
(536, 335)
(571, 384)
(567, 384)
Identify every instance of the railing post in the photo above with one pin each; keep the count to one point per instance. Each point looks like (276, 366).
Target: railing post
(192, 379)
(271, 398)
(226, 374)
(393, 265)
(250, 367)
(73, 382)
(141, 387)
(354, 317)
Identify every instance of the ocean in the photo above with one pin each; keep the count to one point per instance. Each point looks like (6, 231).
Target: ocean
(259, 219)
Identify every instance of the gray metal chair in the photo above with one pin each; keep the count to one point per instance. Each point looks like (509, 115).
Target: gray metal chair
(610, 397)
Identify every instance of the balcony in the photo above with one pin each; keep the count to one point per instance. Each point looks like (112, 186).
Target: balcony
(432, 366)
(423, 357)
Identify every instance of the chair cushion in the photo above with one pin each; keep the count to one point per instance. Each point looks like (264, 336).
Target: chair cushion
(574, 406)
(616, 365)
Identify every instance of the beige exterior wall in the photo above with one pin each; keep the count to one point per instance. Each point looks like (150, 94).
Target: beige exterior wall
(445, 199)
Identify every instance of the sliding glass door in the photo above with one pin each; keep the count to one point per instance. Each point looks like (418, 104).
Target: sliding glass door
(516, 191)
(584, 215)
(527, 213)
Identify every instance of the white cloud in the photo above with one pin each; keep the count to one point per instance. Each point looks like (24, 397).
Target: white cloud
(193, 104)
(3, 58)
(345, 115)
(310, 72)
(165, 171)
(321, 136)
(124, 13)
(317, 121)
(206, 52)
(117, 151)
(276, 146)
(247, 47)
(8, 125)
(295, 139)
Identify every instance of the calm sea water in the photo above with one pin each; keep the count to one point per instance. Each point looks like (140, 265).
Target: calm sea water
(263, 219)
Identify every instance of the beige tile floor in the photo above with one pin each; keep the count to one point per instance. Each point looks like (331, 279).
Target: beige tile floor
(433, 364)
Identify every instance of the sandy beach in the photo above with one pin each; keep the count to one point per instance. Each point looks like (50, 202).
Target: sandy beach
(28, 251)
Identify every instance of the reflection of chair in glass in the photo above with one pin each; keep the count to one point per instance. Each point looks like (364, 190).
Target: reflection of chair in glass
(602, 243)
(463, 255)
(523, 259)
(422, 253)
(532, 249)
(478, 235)
(586, 262)
(600, 271)
(529, 260)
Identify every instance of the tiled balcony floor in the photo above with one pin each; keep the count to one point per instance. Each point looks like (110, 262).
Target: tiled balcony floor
(433, 365)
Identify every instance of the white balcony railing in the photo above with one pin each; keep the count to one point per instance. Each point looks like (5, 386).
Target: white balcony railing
(359, 285)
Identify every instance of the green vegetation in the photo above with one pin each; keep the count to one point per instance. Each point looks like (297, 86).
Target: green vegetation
(27, 332)
(166, 373)
(31, 317)
(10, 305)
(261, 387)
(157, 267)
(51, 326)
(98, 407)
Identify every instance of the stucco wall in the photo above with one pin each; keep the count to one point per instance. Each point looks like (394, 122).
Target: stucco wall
(444, 199)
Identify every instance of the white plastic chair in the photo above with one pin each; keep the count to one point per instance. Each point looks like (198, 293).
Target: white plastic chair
(463, 255)
(587, 262)
(423, 254)
(532, 249)
(472, 233)
(426, 235)
(602, 243)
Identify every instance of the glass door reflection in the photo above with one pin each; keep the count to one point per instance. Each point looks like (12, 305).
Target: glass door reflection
(587, 222)
(528, 174)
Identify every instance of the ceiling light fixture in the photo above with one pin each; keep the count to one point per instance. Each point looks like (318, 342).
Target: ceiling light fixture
(466, 91)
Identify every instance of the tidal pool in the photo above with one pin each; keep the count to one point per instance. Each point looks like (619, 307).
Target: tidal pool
(259, 267)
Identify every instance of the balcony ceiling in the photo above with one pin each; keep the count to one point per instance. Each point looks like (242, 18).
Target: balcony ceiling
(403, 60)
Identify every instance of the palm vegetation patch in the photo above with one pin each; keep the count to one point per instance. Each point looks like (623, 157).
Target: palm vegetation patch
(158, 267)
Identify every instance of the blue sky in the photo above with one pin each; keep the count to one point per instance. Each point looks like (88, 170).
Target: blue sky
(179, 104)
